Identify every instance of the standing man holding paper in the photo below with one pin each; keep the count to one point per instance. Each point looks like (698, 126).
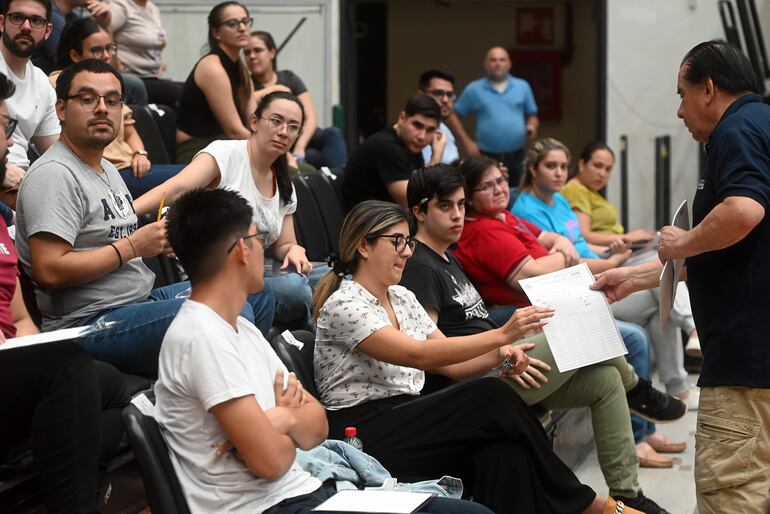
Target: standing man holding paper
(726, 267)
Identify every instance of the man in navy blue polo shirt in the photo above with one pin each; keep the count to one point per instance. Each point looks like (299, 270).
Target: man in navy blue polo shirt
(506, 114)
(728, 275)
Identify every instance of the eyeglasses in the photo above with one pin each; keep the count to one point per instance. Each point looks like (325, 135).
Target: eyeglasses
(441, 92)
(259, 235)
(91, 100)
(276, 123)
(486, 187)
(98, 51)
(234, 23)
(10, 125)
(17, 18)
(400, 241)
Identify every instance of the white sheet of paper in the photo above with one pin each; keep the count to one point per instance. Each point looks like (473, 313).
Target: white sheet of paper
(65, 334)
(669, 276)
(390, 502)
(582, 330)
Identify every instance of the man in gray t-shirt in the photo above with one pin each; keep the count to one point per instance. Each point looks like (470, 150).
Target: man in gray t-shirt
(78, 238)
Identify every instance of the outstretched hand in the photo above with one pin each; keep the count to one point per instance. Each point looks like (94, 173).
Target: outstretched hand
(526, 322)
(615, 283)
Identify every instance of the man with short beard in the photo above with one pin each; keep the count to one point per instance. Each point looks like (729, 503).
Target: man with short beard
(79, 240)
(26, 26)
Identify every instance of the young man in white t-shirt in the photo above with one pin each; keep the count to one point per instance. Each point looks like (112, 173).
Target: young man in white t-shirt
(232, 427)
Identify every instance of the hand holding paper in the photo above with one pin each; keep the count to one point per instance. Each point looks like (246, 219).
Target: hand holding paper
(582, 331)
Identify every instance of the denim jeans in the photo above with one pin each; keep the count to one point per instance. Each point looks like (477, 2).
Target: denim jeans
(293, 297)
(133, 345)
(158, 174)
(135, 92)
(327, 148)
(638, 356)
(643, 308)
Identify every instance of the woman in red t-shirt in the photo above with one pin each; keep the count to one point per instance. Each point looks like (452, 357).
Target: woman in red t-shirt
(497, 249)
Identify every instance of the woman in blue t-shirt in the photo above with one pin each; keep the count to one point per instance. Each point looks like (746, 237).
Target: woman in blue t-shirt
(546, 166)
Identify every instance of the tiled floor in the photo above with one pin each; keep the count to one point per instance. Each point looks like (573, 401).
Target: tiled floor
(674, 488)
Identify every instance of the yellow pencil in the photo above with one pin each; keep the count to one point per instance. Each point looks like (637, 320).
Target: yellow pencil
(160, 209)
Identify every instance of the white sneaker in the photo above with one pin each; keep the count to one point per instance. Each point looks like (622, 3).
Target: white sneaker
(693, 347)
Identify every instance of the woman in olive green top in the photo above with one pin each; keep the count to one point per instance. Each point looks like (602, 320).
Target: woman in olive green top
(598, 217)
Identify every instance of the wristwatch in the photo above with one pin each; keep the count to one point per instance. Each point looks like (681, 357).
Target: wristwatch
(141, 152)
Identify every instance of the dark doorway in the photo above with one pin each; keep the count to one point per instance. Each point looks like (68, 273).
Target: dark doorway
(365, 61)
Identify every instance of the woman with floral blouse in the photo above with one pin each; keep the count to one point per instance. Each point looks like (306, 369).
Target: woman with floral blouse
(373, 343)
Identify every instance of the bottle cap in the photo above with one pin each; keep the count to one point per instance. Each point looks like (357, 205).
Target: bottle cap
(350, 432)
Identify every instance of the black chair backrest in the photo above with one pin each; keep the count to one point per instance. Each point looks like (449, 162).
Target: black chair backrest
(166, 271)
(164, 492)
(308, 218)
(144, 123)
(335, 179)
(165, 119)
(296, 360)
(330, 205)
(28, 294)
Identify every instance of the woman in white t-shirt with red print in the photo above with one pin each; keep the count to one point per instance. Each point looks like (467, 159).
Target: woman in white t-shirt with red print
(257, 168)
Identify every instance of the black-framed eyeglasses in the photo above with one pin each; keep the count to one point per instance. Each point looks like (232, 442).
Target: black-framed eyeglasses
(35, 21)
(400, 241)
(490, 185)
(234, 23)
(259, 235)
(98, 51)
(441, 92)
(276, 123)
(10, 125)
(91, 100)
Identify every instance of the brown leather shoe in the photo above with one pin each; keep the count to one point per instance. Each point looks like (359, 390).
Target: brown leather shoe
(616, 507)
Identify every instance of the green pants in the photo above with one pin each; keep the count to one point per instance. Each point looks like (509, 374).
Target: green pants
(601, 387)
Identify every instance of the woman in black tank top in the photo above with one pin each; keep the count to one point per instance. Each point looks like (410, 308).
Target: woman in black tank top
(205, 113)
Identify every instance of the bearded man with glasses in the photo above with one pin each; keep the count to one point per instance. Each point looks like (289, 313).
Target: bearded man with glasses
(25, 26)
(79, 240)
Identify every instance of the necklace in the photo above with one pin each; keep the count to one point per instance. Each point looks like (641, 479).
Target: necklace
(121, 205)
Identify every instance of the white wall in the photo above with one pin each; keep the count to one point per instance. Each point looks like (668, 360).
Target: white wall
(645, 44)
(313, 52)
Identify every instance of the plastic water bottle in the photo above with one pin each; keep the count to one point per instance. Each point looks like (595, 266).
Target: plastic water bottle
(351, 437)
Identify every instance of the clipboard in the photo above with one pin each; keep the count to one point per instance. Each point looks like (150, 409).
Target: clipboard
(669, 276)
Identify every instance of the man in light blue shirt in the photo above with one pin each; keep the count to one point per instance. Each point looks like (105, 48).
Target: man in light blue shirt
(506, 114)
(441, 87)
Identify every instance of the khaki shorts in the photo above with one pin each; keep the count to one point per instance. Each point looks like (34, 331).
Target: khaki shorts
(732, 450)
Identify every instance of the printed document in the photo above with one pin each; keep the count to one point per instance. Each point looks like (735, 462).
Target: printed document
(669, 276)
(65, 334)
(391, 502)
(582, 330)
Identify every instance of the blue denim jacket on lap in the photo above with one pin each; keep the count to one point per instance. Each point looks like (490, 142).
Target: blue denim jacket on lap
(337, 460)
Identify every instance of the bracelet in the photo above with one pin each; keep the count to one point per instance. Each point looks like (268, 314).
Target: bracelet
(132, 246)
(120, 257)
